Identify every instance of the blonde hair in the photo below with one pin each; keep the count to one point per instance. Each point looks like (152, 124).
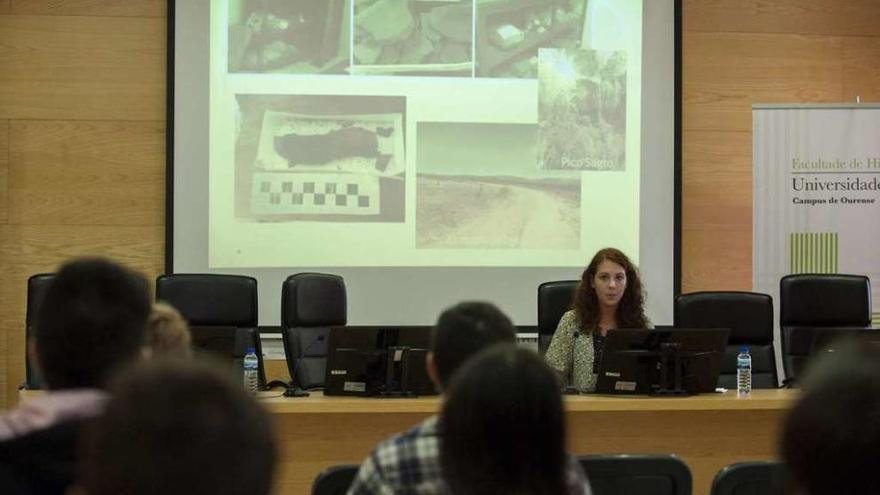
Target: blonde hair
(167, 332)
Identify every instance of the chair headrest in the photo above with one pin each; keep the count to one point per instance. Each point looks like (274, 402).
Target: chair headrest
(825, 300)
(554, 299)
(313, 299)
(37, 286)
(748, 315)
(211, 299)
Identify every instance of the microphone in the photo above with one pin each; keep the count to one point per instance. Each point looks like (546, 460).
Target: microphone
(570, 388)
(295, 390)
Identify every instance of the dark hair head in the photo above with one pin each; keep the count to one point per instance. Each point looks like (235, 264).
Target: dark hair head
(178, 426)
(464, 330)
(91, 320)
(630, 311)
(491, 439)
(832, 435)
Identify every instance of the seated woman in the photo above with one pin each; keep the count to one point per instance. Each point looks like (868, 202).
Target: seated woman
(503, 428)
(608, 297)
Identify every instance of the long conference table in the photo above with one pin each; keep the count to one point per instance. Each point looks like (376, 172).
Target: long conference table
(707, 431)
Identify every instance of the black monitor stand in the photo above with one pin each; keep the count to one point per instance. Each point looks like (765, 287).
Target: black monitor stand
(670, 352)
(399, 372)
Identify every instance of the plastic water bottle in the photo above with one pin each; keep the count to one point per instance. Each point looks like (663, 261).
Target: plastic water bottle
(251, 370)
(743, 373)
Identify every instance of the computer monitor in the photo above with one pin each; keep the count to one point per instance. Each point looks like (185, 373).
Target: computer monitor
(830, 339)
(378, 361)
(668, 361)
(227, 345)
(801, 344)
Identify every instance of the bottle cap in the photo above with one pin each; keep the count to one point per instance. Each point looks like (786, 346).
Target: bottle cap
(744, 349)
(250, 350)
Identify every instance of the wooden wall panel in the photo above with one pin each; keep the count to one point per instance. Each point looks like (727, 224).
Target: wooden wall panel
(5, 353)
(87, 173)
(5, 6)
(4, 171)
(716, 259)
(36, 248)
(835, 17)
(740, 52)
(112, 8)
(861, 68)
(717, 180)
(82, 68)
(82, 99)
(6, 319)
(724, 74)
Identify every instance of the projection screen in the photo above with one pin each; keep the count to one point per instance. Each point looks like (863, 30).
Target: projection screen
(428, 151)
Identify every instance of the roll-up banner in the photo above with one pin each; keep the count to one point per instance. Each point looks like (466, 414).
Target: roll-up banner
(816, 193)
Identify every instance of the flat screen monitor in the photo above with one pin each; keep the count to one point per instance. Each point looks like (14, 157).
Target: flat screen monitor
(831, 339)
(378, 361)
(226, 345)
(640, 361)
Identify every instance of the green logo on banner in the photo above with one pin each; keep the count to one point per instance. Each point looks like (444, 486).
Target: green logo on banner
(814, 252)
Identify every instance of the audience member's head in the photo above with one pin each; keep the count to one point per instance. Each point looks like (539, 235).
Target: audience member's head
(462, 331)
(178, 426)
(90, 322)
(831, 439)
(503, 426)
(167, 333)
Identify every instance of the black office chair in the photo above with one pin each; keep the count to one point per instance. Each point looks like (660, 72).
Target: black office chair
(750, 478)
(749, 316)
(554, 299)
(37, 286)
(212, 300)
(810, 301)
(334, 480)
(642, 474)
(310, 304)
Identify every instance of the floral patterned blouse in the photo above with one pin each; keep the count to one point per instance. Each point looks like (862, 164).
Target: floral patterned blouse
(559, 354)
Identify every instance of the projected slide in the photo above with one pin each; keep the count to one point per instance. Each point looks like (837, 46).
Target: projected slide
(423, 132)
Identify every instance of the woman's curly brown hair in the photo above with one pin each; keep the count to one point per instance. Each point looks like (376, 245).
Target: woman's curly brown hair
(630, 311)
